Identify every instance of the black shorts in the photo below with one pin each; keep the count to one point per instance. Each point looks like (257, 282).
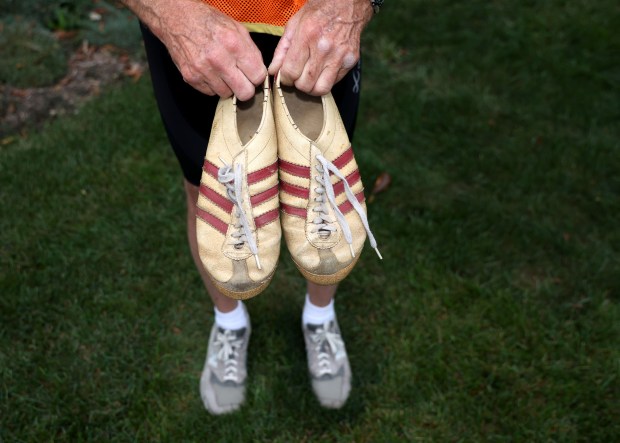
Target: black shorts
(188, 114)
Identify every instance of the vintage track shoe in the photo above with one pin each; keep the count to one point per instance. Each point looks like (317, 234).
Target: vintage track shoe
(321, 193)
(238, 226)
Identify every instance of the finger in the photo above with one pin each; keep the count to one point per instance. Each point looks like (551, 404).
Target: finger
(309, 76)
(294, 64)
(218, 86)
(326, 80)
(202, 87)
(226, 78)
(295, 58)
(197, 82)
(250, 60)
(239, 84)
(254, 72)
(278, 56)
(341, 74)
(283, 46)
(315, 65)
(348, 62)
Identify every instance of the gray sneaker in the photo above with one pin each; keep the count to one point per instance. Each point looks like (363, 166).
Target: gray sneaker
(328, 363)
(222, 384)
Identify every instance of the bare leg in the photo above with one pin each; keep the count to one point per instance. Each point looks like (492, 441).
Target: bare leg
(321, 295)
(221, 302)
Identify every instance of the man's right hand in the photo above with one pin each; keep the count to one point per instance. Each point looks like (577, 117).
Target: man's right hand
(214, 53)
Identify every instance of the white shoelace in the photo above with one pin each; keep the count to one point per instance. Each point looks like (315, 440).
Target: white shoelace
(233, 181)
(229, 345)
(322, 335)
(327, 189)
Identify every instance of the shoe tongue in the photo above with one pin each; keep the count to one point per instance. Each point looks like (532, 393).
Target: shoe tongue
(237, 333)
(314, 327)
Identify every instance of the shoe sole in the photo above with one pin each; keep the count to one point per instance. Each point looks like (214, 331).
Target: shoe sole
(331, 279)
(246, 294)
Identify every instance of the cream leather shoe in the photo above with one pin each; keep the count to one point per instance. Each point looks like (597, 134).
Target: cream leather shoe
(321, 192)
(238, 226)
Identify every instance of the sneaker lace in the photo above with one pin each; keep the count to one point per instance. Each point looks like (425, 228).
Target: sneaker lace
(327, 343)
(233, 179)
(326, 189)
(228, 345)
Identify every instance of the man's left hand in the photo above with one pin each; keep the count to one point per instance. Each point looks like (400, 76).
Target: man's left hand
(321, 43)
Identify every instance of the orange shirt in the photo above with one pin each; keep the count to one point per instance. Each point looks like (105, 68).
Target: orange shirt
(267, 16)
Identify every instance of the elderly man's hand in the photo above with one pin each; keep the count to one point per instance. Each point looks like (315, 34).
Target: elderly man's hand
(321, 43)
(214, 53)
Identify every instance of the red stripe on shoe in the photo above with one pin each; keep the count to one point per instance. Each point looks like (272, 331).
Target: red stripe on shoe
(344, 158)
(352, 178)
(347, 206)
(292, 210)
(262, 174)
(216, 198)
(266, 218)
(293, 169)
(297, 191)
(212, 220)
(210, 168)
(264, 196)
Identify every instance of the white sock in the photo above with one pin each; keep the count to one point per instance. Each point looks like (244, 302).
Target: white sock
(317, 315)
(235, 319)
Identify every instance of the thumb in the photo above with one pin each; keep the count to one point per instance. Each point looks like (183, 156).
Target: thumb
(283, 46)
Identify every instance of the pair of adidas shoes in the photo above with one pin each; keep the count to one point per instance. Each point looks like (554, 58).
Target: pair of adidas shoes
(243, 208)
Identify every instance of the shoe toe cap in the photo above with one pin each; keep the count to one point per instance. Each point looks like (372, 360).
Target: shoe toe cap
(332, 392)
(220, 398)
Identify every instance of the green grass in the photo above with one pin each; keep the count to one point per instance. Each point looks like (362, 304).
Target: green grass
(494, 316)
(31, 56)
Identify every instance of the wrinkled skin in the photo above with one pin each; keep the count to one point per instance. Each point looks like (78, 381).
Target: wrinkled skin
(216, 55)
(321, 43)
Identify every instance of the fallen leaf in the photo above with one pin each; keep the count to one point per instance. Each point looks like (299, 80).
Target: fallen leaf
(108, 47)
(21, 93)
(7, 141)
(61, 34)
(134, 70)
(382, 183)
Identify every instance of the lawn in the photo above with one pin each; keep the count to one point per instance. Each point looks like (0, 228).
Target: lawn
(493, 317)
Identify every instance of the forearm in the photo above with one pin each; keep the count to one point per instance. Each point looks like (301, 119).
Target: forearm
(157, 14)
(345, 11)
